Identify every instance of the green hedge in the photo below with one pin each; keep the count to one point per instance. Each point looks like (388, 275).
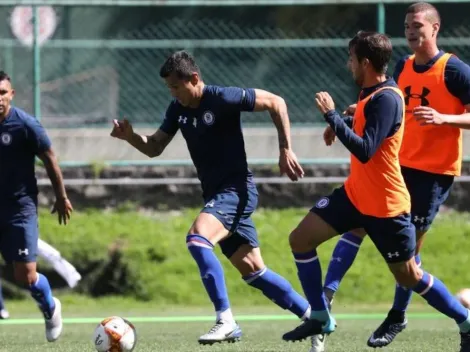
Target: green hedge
(144, 256)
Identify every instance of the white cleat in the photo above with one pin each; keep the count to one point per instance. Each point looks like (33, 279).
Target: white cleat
(54, 324)
(318, 343)
(222, 331)
(4, 314)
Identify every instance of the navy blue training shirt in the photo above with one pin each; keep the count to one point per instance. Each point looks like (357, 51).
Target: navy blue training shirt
(384, 115)
(456, 75)
(22, 138)
(213, 134)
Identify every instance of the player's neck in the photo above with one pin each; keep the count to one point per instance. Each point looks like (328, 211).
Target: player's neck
(5, 114)
(422, 57)
(373, 80)
(197, 99)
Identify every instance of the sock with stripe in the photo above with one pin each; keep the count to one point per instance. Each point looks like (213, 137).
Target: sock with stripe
(402, 299)
(439, 297)
(341, 260)
(280, 291)
(212, 274)
(310, 276)
(42, 294)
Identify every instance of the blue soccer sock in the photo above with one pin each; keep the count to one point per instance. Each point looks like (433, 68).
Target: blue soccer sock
(211, 271)
(439, 297)
(310, 276)
(42, 294)
(403, 295)
(280, 291)
(341, 260)
(2, 303)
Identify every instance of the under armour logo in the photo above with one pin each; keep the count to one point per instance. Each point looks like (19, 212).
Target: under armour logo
(337, 259)
(182, 119)
(422, 96)
(419, 219)
(391, 255)
(210, 204)
(23, 252)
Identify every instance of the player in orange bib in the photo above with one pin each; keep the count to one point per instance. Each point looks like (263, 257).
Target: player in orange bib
(436, 88)
(374, 197)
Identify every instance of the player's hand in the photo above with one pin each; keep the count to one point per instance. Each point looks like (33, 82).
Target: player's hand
(329, 136)
(428, 116)
(63, 208)
(122, 130)
(289, 165)
(351, 110)
(324, 102)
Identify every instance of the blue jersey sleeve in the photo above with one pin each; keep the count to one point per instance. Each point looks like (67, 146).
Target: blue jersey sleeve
(383, 113)
(37, 136)
(242, 99)
(457, 78)
(170, 120)
(399, 68)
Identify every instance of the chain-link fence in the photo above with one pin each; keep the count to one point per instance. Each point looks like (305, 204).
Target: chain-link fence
(103, 62)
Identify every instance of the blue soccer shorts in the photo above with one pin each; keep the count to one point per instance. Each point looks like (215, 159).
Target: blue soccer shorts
(233, 207)
(428, 192)
(19, 237)
(394, 237)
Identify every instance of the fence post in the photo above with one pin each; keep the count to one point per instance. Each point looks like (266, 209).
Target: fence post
(381, 17)
(36, 65)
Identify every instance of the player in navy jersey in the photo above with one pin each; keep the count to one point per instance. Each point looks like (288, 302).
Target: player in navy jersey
(436, 86)
(209, 119)
(22, 138)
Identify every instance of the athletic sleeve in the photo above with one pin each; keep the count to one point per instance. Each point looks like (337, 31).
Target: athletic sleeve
(170, 120)
(242, 99)
(457, 78)
(37, 136)
(383, 115)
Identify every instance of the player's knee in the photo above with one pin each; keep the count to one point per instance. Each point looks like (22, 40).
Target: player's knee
(299, 241)
(360, 233)
(25, 274)
(407, 274)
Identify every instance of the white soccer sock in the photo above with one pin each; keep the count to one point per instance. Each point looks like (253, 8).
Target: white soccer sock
(225, 315)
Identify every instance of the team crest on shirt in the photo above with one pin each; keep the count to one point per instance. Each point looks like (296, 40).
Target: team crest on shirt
(6, 138)
(208, 117)
(323, 203)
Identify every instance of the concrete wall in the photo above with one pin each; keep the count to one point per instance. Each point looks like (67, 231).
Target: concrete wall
(96, 145)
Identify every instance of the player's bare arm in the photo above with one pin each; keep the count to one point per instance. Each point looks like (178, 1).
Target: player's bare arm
(426, 115)
(62, 205)
(152, 146)
(266, 101)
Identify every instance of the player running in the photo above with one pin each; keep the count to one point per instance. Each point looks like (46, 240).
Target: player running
(60, 265)
(22, 138)
(374, 196)
(436, 86)
(209, 119)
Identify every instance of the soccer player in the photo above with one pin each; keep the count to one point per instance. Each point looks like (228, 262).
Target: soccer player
(209, 119)
(22, 138)
(436, 86)
(374, 196)
(62, 266)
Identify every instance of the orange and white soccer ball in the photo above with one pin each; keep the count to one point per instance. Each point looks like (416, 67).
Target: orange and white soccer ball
(464, 297)
(115, 334)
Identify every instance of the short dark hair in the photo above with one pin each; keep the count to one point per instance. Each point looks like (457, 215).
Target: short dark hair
(4, 76)
(375, 47)
(180, 63)
(432, 15)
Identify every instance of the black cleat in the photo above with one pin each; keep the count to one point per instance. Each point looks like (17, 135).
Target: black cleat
(310, 328)
(465, 341)
(386, 332)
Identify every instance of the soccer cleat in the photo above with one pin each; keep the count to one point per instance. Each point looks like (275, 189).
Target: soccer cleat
(386, 333)
(310, 328)
(4, 314)
(222, 331)
(465, 341)
(318, 343)
(54, 324)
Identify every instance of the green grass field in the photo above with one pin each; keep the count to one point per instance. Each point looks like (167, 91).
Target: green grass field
(172, 329)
